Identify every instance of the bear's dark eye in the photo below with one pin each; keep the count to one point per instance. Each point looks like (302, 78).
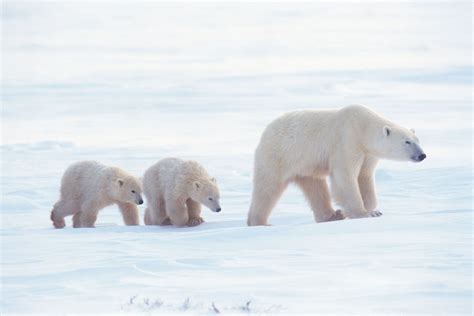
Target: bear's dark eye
(210, 199)
(407, 142)
(133, 191)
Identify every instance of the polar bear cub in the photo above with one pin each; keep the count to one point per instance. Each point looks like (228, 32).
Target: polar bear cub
(305, 147)
(175, 189)
(89, 186)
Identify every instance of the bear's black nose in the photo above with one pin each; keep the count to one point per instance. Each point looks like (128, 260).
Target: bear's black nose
(140, 202)
(421, 157)
(218, 210)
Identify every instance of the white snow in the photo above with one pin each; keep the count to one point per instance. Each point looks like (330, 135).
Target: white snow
(128, 84)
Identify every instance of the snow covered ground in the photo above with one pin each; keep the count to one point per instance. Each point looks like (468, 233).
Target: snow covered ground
(128, 84)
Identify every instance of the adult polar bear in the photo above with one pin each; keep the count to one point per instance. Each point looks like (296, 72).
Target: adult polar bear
(307, 146)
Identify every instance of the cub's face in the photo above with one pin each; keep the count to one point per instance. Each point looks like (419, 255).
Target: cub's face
(401, 144)
(130, 191)
(207, 193)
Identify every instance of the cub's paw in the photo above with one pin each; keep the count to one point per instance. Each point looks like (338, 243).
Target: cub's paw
(57, 222)
(195, 221)
(166, 222)
(337, 216)
(375, 213)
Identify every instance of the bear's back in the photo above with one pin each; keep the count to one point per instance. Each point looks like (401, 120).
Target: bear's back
(82, 175)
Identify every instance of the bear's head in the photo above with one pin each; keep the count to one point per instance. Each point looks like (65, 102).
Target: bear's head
(398, 143)
(129, 190)
(206, 192)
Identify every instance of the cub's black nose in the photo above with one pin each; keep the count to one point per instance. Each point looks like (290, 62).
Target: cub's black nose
(140, 202)
(218, 210)
(421, 157)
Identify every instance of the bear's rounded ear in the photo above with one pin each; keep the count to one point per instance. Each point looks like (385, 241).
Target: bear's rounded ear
(412, 130)
(120, 182)
(196, 185)
(213, 180)
(387, 130)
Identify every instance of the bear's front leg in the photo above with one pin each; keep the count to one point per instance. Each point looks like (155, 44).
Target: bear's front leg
(367, 191)
(345, 191)
(369, 196)
(130, 213)
(367, 184)
(194, 212)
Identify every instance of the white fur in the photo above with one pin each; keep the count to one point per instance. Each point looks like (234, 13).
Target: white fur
(307, 146)
(174, 189)
(88, 186)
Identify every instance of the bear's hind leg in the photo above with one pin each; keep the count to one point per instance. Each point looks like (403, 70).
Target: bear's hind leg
(155, 213)
(76, 220)
(317, 193)
(60, 210)
(89, 218)
(264, 197)
(194, 212)
(130, 213)
(177, 212)
(146, 217)
(58, 221)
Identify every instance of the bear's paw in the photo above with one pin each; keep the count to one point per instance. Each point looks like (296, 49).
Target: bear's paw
(337, 216)
(375, 213)
(195, 221)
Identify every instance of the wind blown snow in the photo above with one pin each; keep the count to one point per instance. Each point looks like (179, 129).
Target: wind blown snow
(129, 84)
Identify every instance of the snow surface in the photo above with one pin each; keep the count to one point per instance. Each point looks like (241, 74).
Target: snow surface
(128, 84)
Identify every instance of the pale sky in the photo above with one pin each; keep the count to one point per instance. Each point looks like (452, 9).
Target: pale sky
(133, 73)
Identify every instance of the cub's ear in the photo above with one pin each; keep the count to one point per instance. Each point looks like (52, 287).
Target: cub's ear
(196, 185)
(120, 182)
(412, 130)
(213, 180)
(387, 130)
